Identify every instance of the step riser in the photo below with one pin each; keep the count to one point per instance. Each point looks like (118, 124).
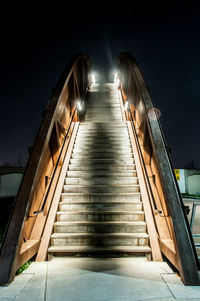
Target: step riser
(101, 150)
(118, 146)
(102, 130)
(101, 156)
(98, 217)
(101, 134)
(100, 207)
(98, 174)
(100, 228)
(97, 189)
(107, 241)
(100, 181)
(102, 161)
(101, 198)
(102, 140)
(102, 167)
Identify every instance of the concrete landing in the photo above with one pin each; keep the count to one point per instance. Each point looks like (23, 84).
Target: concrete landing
(98, 279)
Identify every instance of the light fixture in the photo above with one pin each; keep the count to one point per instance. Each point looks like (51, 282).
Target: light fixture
(126, 105)
(79, 105)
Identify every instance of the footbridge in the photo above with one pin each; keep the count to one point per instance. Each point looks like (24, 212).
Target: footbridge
(99, 179)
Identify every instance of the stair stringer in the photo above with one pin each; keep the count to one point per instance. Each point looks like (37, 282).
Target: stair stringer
(43, 248)
(151, 227)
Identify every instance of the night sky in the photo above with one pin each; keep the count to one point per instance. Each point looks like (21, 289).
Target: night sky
(36, 45)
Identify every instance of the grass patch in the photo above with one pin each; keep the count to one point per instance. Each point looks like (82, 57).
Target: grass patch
(23, 267)
(193, 196)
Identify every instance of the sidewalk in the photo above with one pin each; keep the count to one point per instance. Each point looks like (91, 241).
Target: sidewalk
(98, 279)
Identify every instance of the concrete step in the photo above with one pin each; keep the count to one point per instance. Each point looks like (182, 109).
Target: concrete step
(101, 181)
(102, 197)
(104, 108)
(100, 227)
(104, 161)
(67, 250)
(101, 155)
(96, 216)
(100, 131)
(102, 167)
(99, 139)
(108, 125)
(108, 145)
(106, 135)
(100, 174)
(99, 239)
(102, 126)
(101, 150)
(100, 206)
(104, 118)
(101, 188)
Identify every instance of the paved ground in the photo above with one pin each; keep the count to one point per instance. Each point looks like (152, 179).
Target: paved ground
(92, 279)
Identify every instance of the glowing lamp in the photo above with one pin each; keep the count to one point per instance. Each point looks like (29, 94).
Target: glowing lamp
(126, 105)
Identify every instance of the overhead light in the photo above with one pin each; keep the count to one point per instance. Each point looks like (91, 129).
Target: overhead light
(126, 105)
(79, 105)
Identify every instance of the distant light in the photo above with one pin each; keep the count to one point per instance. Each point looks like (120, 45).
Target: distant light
(126, 105)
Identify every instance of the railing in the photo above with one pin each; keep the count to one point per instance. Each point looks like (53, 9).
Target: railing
(173, 230)
(33, 202)
(193, 214)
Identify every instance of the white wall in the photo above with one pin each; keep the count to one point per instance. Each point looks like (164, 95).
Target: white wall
(180, 177)
(9, 184)
(194, 184)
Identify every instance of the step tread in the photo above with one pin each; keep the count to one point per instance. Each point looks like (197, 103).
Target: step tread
(77, 249)
(69, 202)
(100, 178)
(101, 212)
(101, 194)
(66, 235)
(101, 223)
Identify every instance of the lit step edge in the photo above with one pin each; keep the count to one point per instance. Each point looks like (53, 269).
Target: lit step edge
(87, 249)
(101, 212)
(75, 235)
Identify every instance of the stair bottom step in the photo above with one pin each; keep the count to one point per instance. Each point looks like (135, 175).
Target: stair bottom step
(85, 250)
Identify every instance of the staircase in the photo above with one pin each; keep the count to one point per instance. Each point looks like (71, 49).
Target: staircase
(100, 209)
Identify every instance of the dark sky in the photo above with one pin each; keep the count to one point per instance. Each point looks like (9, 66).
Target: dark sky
(36, 44)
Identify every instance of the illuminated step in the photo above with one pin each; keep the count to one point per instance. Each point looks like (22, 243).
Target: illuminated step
(102, 167)
(101, 149)
(100, 227)
(99, 206)
(101, 181)
(98, 174)
(101, 188)
(102, 161)
(100, 154)
(92, 216)
(99, 239)
(102, 197)
(135, 250)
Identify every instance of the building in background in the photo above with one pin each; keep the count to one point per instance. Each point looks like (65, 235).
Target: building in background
(10, 179)
(188, 181)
